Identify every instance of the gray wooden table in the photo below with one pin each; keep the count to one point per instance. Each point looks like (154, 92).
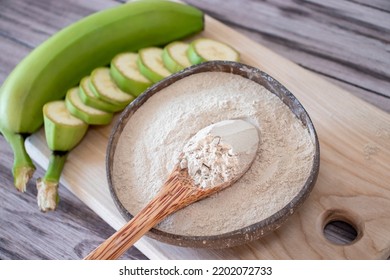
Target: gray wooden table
(345, 41)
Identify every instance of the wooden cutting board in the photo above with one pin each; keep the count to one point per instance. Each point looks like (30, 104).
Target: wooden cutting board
(353, 183)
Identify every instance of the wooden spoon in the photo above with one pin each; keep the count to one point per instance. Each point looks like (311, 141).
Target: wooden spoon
(238, 139)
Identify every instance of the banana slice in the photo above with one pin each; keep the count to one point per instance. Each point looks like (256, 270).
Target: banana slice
(119, 107)
(151, 65)
(63, 131)
(175, 56)
(104, 87)
(88, 114)
(125, 73)
(204, 49)
(90, 99)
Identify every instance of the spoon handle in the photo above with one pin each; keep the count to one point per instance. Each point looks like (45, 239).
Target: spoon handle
(175, 194)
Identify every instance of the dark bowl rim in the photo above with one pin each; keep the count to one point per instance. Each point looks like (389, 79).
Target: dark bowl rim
(253, 231)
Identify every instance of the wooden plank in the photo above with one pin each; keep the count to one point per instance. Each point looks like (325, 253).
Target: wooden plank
(352, 184)
(23, 25)
(322, 67)
(48, 17)
(381, 5)
(339, 39)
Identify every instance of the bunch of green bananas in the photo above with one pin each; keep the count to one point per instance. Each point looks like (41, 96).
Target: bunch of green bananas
(59, 63)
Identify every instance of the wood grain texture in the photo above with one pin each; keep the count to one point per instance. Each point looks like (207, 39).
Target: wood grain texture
(355, 39)
(345, 41)
(351, 186)
(71, 232)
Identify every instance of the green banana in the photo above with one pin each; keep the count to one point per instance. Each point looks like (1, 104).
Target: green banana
(59, 63)
(150, 64)
(90, 99)
(88, 114)
(126, 75)
(206, 49)
(63, 132)
(175, 56)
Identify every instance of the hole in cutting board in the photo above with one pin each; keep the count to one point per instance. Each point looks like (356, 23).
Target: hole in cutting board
(340, 232)
(341, 228)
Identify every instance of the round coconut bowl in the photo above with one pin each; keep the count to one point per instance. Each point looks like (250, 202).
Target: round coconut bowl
(251, 232)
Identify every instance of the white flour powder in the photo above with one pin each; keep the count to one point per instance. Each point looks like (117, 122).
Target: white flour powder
(210, 163)
(156, 134)
(220, 153)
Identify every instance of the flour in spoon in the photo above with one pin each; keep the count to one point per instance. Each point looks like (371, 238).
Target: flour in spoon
(155, 135)
(220, 153)
(210, 163)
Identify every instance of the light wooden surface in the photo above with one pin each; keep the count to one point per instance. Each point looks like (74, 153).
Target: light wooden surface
(352, 183)
(345, 42)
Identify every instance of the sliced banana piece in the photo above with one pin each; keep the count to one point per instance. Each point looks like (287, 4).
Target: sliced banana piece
(125, 73)
(151, 65)
(84, 112)
(119, 107)
(63, 131)
(175, 56)
(205, 49)
(104, 87)
(91, 100)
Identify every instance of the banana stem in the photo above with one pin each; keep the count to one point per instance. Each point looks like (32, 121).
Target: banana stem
(23, 167)
(56, 164)
(47, 186)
